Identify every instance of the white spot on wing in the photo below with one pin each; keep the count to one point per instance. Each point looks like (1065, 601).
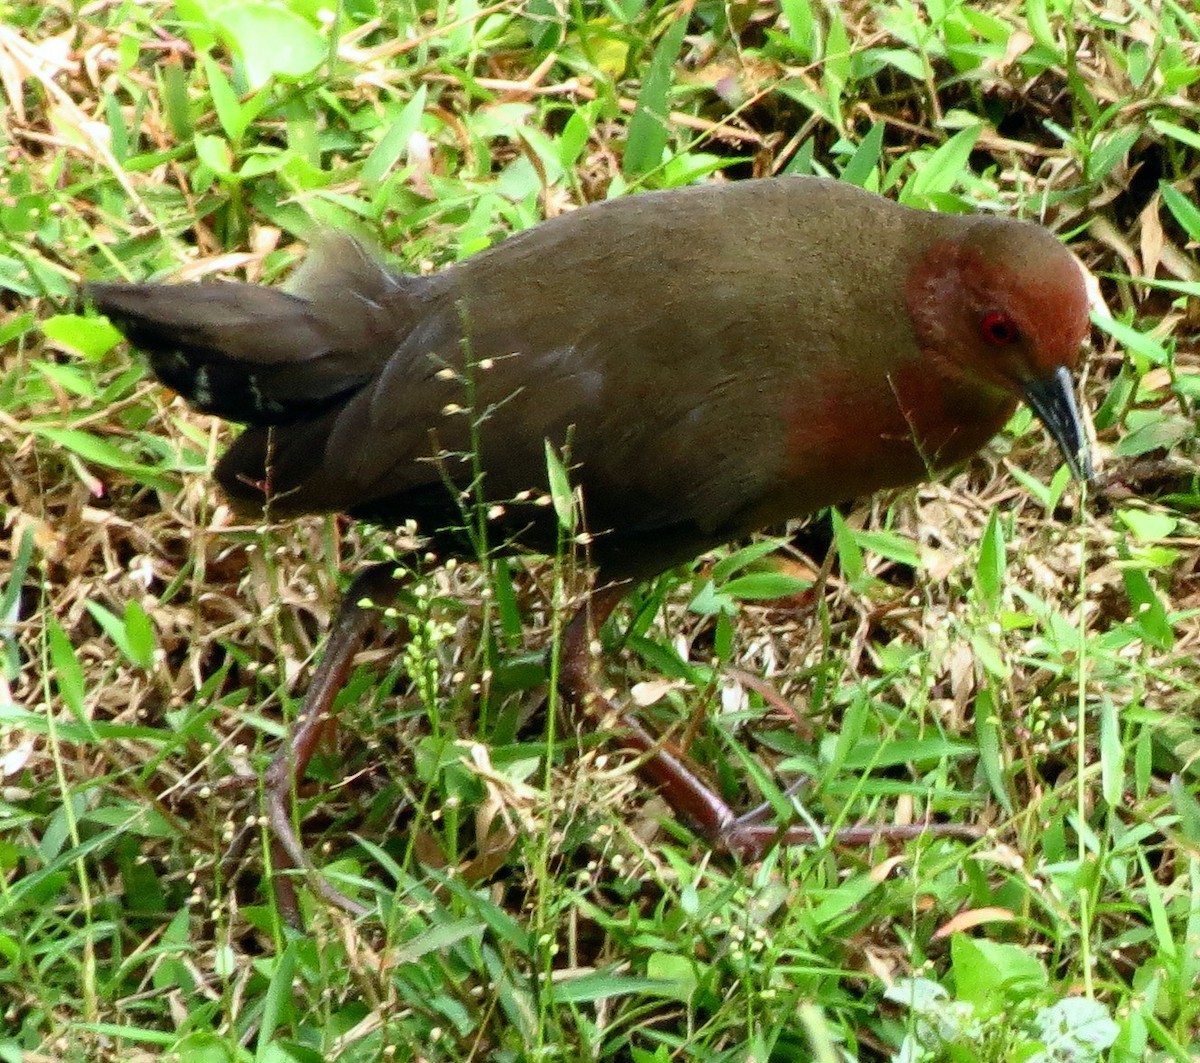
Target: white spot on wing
(202, 388)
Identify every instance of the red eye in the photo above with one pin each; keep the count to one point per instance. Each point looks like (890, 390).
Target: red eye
(998, 329)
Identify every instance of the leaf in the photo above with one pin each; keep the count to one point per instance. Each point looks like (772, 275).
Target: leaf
(650, 126)
(841, 899)
(1074, 1024)
(1147, 526)
(1176, 132)
(272, 42)
(591, 987)
(395, 141)
(10, 604)
(100, 452)
(989, 655)
(888, 544)
(863, 163)
(987, 734)
(922, 995)
(708, 601)
(134, 636)
(573, 139)
(850, 557)
(1161, 433)
(1112, 752)
(175, 93)
(87, 446)
(71, 378)
(944, 169)
(874, 754)
(744, 558)
(1037, 18)
(992, 564)
(438, 938)
(800, 22)
(1137, 343)
(1186, 212)
(765, 585)
(67, 671)
(140, 633)
(970, 918)
(215, 154)
(672, 969)
(903, 60)
(90, 337)
(1149, 613)
(277, 1001)
(989, 974)
(233, 117)
(1186, 807)
(1109, 152)
(560, 491)
(837, 67)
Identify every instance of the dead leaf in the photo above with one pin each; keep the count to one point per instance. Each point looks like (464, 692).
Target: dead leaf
(971, 918)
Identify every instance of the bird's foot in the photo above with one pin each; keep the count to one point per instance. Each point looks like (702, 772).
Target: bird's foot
(750, 838)
(371, 591)
(749, 835)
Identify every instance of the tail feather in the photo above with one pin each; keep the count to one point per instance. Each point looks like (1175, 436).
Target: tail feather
(264, 356)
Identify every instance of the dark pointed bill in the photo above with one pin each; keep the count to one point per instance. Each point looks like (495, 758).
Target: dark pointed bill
(1052, 398)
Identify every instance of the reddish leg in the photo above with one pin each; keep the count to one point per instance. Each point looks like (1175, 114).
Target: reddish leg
(372, 590)
(664, 767)
(748, 835)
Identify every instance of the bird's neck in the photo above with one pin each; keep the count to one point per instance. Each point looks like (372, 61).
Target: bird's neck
(847, 440)
(948, 415)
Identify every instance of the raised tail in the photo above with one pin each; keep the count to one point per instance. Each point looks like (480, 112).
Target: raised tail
(266, 356)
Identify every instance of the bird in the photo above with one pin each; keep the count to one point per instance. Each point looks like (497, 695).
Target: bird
(707, 361)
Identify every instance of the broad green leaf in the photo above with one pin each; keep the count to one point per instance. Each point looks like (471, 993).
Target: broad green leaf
(649, 128)
(1176, 132)
(1075, 1028)
(1137, 343)
(1148, 526)
(67, 671)
(743, 558)
(988, 974)
(1149, 613)
(944, 169)
(764, 585)
(90, 337)
(438, 938)
(272, 42)
(1159, 433)
(234, 118)
(888, 544)
(864, 163)
(801, 26)
(215, 154)
(591, 987)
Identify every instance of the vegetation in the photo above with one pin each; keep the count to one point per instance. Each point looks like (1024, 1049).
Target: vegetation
(1001, 648)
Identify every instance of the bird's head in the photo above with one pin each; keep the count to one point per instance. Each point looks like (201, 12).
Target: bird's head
(1008, 303)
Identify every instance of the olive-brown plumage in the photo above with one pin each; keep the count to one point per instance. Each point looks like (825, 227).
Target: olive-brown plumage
(714, 359)
(711, 360)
